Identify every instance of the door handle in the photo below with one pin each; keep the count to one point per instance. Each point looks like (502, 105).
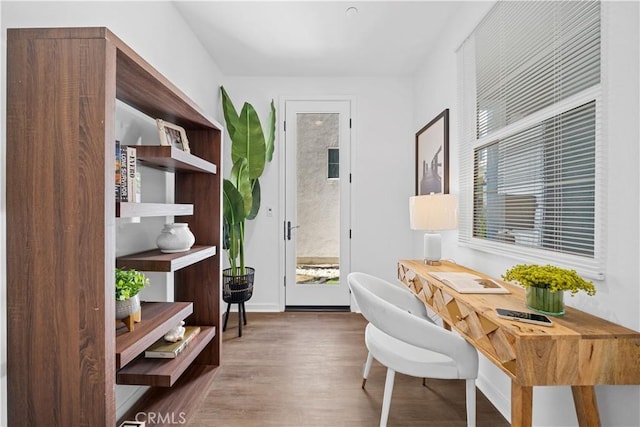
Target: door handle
(289, 228)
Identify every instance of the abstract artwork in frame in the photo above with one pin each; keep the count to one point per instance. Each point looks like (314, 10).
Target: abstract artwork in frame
(432, 156)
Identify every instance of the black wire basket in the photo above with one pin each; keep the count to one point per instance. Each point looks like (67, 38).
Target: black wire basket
(238, 288)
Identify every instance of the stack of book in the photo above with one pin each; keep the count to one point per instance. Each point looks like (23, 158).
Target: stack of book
(162, 349)
(126, 174)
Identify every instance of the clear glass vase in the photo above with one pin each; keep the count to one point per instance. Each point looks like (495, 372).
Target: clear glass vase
(545, 301)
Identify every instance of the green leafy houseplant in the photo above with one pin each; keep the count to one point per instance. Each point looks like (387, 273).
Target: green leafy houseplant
(549, 276)
(545, 286)
(129, 283)
(250, 151)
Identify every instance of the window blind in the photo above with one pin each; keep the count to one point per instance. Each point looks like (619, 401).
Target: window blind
(530, 150)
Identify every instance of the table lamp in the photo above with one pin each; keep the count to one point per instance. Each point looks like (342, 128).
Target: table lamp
(433, 212)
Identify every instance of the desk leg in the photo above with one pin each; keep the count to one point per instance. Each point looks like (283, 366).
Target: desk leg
(584, 397)
(521, 405)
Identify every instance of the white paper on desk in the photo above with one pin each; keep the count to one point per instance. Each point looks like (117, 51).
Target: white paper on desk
(467, 283)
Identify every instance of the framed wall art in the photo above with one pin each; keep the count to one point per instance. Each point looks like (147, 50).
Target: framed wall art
(432, 156)
(173, 135)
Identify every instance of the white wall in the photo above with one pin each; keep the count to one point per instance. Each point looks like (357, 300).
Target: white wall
(618, 296)
(382, 167)
(157, 32)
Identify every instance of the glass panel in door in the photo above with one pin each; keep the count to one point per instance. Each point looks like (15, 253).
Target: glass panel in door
(318, 197)
(317, 214)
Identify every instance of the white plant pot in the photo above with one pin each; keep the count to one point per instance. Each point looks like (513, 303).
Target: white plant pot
(175, 237)
(127, 307)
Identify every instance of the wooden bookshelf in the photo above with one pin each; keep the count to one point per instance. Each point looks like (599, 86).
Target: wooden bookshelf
(61, 228)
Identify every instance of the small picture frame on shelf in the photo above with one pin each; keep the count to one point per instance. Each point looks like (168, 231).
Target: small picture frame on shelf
(173, 135)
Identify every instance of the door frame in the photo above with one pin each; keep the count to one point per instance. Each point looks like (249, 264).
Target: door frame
(282, 217)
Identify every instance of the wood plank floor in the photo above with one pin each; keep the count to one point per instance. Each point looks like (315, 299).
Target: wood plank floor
(304, 369)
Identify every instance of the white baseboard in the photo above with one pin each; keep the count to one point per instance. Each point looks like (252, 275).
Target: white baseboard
(495, 396)
(126, 397)
(256, 308)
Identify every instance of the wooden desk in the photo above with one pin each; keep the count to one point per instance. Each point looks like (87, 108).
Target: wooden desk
(580, 350)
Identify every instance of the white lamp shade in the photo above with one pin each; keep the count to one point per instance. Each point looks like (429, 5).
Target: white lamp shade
(433, 212)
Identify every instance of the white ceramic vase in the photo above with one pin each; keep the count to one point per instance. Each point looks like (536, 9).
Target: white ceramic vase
(175, 237)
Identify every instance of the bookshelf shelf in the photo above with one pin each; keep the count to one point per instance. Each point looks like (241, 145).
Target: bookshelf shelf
(130, 209)
(157, 319)
(164, 372)
(162, 400)
(171, 159)
(154, 260)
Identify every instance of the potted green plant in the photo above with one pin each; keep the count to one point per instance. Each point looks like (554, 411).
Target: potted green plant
(545, 286)
(251, 149)
(128, 284)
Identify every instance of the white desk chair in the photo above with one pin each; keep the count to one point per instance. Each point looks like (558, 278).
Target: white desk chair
(400, 338)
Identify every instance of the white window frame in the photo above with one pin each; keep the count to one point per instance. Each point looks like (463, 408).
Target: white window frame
(593, 268)
(333, 178)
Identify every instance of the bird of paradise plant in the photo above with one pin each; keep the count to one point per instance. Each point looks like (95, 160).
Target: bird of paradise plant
(250, 151)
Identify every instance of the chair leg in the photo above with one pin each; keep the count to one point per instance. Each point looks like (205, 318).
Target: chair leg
(226, 317)
(240, 319)
(471, 403)
(386, 399)
(366, 368)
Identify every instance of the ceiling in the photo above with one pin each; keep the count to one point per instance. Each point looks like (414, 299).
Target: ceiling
(317, 38)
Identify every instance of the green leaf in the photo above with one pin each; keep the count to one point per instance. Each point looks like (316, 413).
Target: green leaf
(233, 204)
(241, 180)
(248, 141)
(230, 114)
(271, 132)
(255, 205)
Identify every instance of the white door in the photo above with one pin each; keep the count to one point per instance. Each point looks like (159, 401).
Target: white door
(317, 181)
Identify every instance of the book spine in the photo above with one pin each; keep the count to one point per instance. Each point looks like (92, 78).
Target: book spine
(131, 174)
(154, 354)
(124, 188)
(117, 172)
(162, 354)
(138, 187)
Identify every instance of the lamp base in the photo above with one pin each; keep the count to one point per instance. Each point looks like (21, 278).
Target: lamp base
(432, 248)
